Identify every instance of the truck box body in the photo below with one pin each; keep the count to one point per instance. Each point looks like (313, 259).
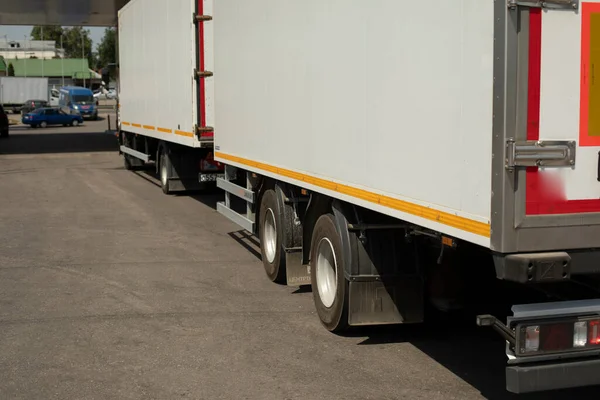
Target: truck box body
(386, 105)
(158, 52)
(411, 111)
(16, 90)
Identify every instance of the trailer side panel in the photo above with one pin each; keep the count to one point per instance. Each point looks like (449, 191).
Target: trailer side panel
(386, 104)
(157, 54)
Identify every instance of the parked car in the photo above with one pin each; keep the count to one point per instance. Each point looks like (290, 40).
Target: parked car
(103, 94)
(31, 105)
(3, 123)
(43, 117)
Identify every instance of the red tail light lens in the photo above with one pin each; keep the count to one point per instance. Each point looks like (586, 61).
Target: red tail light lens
(594, 332)
(557, 336)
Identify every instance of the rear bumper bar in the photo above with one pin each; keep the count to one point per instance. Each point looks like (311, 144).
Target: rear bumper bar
(536, 378)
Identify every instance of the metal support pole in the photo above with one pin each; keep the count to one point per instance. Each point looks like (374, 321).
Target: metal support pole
(229, 173)
(62, 60)
(249, 212)
(82, 57)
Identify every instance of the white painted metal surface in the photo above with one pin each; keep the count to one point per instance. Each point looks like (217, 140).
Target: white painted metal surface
(16, 90)
(392, 99)
(157, 54)
(270, 236)
(326, 272)
(560, 101)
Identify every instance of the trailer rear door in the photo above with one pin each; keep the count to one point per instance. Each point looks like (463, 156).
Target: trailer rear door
(547, 185)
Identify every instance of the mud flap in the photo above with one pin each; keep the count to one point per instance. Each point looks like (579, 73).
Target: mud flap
(375, 302)
(297, 273)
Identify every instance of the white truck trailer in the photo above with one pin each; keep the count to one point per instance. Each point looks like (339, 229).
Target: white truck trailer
(163, 112)
(15, 91)
(394, 155)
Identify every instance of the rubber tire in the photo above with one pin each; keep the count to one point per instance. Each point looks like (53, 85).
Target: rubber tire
(164, 163)
(43, 124)
(4, 133)
(74, 123)
(276, 271)
(335, 318)
(127, 162)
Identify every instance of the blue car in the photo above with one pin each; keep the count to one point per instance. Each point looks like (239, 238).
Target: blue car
(43, 117)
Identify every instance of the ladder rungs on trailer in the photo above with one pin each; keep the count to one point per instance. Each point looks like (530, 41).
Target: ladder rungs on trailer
(225, 208)
(135, 153)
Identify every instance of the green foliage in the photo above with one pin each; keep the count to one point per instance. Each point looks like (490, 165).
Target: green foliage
(47, 33)
(107, 49)
(10, 71)
(76, 41)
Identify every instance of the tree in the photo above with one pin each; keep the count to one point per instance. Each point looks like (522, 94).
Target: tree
(107, 51)
(50, 32)
(11, 70)
(71, 40)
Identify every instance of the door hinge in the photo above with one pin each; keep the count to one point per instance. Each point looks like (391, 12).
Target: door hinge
(202, 18)
(204, 133)
(548, 4)
(202, 74)
(540, 153)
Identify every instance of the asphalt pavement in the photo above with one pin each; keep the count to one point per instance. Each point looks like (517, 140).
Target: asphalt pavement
(110, 289)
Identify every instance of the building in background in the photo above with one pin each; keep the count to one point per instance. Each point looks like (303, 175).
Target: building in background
(59, 71)
(18, 49)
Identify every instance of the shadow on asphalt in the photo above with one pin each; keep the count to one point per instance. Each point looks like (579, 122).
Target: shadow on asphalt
(209, 198)
(24, 140)
(476, 355)
(247, 241)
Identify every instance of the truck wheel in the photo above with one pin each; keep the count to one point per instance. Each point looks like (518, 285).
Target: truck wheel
(43, 124)
(127, 162)
(165, 165)
(271, 247)
(329, 285)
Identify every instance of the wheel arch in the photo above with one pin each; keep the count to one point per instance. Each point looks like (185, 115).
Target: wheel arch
(292, 234)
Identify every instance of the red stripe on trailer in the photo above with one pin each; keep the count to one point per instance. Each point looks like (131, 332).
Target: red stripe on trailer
(202, 105)
(534, 74)
(545, 194)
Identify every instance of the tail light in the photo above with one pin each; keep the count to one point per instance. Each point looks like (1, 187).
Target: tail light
(557, 336)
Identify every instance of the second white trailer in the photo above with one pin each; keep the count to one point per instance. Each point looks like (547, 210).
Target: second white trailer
(164, 115)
